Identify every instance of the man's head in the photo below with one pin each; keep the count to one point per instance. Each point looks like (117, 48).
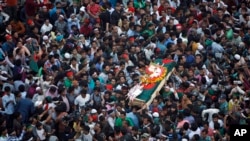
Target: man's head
(7, 89)
(83, 92)
(51, 59)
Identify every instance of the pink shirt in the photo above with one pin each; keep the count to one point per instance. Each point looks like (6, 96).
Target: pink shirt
(51, 95)
(181, 123)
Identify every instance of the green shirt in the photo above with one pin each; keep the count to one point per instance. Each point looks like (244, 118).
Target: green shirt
(118, 122)
(67, 83)
(139, 4)
(208, 138)
(148, 32)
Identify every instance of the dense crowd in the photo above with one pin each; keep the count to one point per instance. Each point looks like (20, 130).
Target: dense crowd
(67, 66)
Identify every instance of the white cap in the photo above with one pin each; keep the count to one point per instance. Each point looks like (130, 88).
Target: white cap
(237, 56)
(28, 39)
(236, 28)
(93, 111)
(155, 115)
(241, 44)
(200, 47)
(38, 103)
(61, 16)
(82, 9)
(192, 85)
(67, 55)
(45, 37)
(38, 88)
(167, 87)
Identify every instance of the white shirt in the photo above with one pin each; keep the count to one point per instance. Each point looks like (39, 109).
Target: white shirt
(210, 113)
(80, 101)
(41, 134)
(111, 122)
(157, 14)
(111, 10)
(192, 133)
(87, 137)
(174, 4)
(148, 53)
(4, 138)
(23, 94)
(211, 123)
(38, 97)
(76, 68)
(46, 28)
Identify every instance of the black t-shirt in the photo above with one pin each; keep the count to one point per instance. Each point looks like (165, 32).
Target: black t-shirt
(99, 137)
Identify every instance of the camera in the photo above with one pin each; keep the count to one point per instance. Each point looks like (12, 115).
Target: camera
(73, 116)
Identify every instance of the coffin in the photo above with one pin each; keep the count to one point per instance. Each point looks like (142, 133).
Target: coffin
(150, 89)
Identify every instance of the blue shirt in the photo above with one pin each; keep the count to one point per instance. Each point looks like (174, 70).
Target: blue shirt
(190, 59)
(224, 107)
(53, 11)
(72, 22)
(168, 41)
(161, 46)
(8, 47)
(26, 107)
(134, 118)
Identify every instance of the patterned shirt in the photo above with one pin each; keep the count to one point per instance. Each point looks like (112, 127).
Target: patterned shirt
(15, 138)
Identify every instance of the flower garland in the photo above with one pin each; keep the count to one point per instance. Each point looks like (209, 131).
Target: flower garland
(148, 79)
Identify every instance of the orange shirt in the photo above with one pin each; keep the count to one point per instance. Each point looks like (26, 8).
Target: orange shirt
(18, 27)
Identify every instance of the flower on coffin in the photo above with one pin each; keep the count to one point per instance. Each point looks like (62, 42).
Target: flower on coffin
(148, 86)
(154, 73)
(135, 91)
(166, 61)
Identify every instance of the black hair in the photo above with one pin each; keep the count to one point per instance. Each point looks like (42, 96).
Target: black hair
(7, 89)
(50, 57)
(21, 88)
(83, 91)
(194, 127)
(18, 62)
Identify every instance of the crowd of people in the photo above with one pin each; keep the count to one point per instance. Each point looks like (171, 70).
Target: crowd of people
(66, 67)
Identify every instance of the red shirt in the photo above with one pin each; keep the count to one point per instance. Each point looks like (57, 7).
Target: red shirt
(94, 9)
(11, 2)
(32, 11)
(86, 30)
(131, 9)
